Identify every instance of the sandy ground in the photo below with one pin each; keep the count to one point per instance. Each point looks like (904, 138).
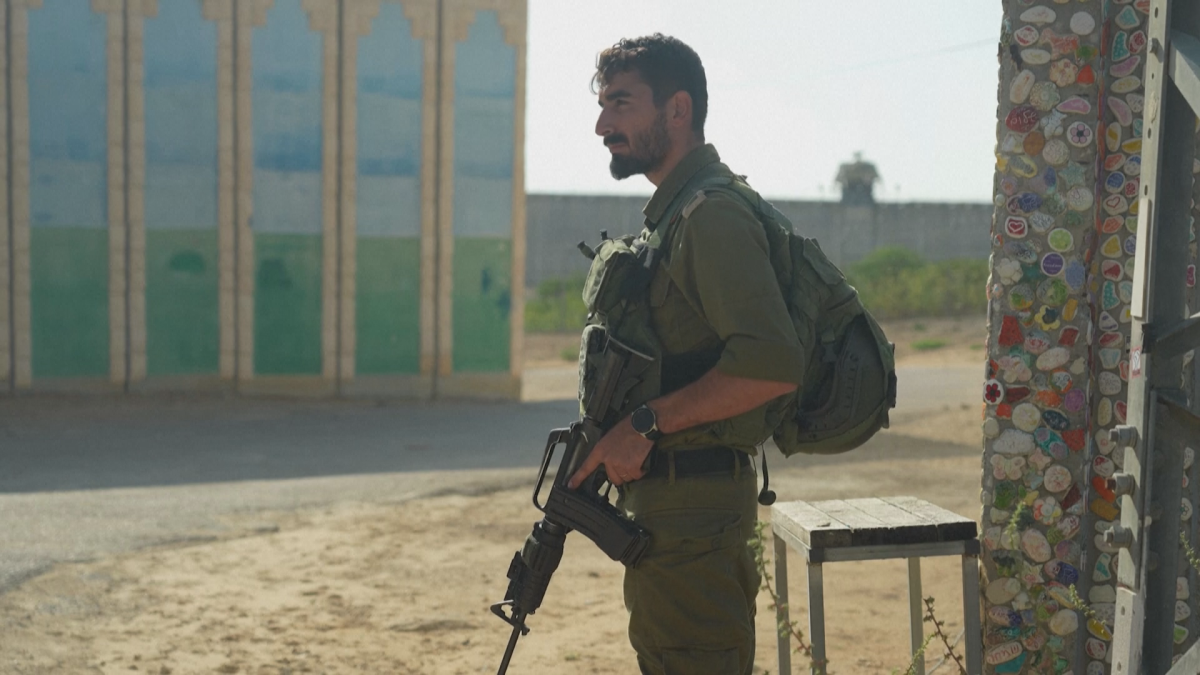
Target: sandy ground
(404, 588)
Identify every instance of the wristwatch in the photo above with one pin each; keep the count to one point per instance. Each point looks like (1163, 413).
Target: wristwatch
(645, 422)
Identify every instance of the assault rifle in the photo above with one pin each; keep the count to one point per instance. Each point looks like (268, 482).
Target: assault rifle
(585, 508)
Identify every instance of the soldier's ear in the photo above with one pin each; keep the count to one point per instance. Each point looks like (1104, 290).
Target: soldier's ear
(679, 110)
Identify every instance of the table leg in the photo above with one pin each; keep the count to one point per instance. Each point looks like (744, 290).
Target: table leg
(916, 626)
(781, 608)
(971, 619)
(816, 617)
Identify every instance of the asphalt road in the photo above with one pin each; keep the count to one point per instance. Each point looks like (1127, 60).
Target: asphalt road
(83, 477)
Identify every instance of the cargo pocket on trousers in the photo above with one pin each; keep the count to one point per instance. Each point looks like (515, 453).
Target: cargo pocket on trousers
(686, 533)
(697, 662)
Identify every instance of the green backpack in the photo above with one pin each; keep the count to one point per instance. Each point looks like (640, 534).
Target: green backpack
(850, 382)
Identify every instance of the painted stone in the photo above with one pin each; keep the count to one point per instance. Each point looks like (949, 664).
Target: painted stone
(1114, 161)
(1052, 264)
(1037, 342)
(1120, 47)
(1075, 275)
(1103, 570)
(1044, 95)
(1022, 166)
(1024, 251)
(1056, 420)
(1108, 296)
(1068, 551)
(1061, 240)
(1011, 468)
(1064, 622)
(1137, 42)
(1015, 395)
(1067, 528)
(1020, 297)
(1109, 358)
(1033, 143)
(1125, 68)
(1074, 400)
(1112, 137)
(1013, 442)
(1133, 166)
(1026, 35)
(1046, 510)
(1181, 634)
(1119, 410)
(1096, 649)
(1010, 332)
(1053, 358)
(1080, 199)
(1068, 336)
(1034, 641)
(1057, 479)
(1135, 101)
(1040, 15)
(1109, 383)
(991, 427)
(1082, 23)
(1105, 510)
(1035, 57)
(1075, 439)
(1051, 442)
(1011, 667)
(1016, 227)
(1022, 119)
(1026, 417)
(1009, 271)
(1026, 202)
(1131, 190)
(1101, 487)
(1108, 323)
(1056, 153)
(1074, 175)
(1060, 45)
(1125, 291)
(1182, 611)
(1129, 245)
(1104, 412)
(1103, 467)
(1126, 18)
(1021, 86)
(1086, 75)
(1053, 292)
(993, 391)
(1001, 591)
(1075, 106)
(1112, 270)
(1127, 85)
(1064, 73)
(1080, 135)
(1003, 616)
(1098, 629)
(1115, 182)
(1041, 222)
(1111, 248)
(1034, 544)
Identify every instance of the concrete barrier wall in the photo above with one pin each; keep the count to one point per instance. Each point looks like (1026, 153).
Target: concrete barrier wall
(846, 233)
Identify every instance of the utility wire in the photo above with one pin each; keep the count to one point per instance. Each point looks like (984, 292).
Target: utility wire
(951, 49)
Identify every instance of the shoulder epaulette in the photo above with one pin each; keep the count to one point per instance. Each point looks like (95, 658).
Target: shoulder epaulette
(697, 200)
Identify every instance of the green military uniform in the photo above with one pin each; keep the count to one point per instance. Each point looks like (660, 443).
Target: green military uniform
(715, 302)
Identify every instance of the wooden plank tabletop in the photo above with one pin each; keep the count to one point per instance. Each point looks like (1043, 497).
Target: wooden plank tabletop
(871, 521)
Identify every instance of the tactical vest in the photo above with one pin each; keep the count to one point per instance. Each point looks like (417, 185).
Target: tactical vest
(849, 382)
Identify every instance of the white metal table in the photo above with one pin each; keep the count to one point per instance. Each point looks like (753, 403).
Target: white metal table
(875, 529)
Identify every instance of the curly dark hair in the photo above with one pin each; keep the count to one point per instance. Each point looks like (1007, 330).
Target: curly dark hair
(665, 63)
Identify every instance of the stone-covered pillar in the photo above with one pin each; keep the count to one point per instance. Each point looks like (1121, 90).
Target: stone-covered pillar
(1064, 236)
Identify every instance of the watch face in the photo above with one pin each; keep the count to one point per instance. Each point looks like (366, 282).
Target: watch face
(643, 420)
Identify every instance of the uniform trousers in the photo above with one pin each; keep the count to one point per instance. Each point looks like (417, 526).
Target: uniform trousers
(691, 599)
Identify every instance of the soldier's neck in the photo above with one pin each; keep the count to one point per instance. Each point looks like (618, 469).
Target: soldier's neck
(674, 156)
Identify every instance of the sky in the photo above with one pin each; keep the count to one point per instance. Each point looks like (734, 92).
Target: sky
(796, 87)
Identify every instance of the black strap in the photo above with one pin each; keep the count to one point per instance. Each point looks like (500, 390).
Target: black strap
(766, 497)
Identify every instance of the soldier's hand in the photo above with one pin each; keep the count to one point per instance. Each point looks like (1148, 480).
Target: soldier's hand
(622, 451)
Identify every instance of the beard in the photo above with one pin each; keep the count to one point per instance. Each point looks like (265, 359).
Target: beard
(646, 154)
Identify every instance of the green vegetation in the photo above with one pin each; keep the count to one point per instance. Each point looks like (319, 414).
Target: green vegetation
(558, 307)
(928, 345)
(895, 283)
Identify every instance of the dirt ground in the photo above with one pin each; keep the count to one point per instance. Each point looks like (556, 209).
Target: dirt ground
(404, 588)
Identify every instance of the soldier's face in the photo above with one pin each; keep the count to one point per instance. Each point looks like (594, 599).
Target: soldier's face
(633, 128)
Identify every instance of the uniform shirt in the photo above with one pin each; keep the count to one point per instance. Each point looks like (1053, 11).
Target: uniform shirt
(715, 298)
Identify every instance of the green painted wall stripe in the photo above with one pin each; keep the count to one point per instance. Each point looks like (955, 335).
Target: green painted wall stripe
(387, 296)
(69, 301)
(482, 304)
(182, 320)
(287, 304)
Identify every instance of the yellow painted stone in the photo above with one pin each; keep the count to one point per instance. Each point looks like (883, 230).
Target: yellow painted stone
(1112, 137)
(1070, 308)
(1126, 85)
(1022, 166)
(1096, 628)
(1105, 510)
(1001, 163)
(1132, 146)
(1111, 247)
(1133, 207)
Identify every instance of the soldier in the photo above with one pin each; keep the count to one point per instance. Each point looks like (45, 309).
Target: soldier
(729, 352)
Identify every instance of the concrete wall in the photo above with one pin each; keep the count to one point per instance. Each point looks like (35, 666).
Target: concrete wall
(846, 233)
(320, 196)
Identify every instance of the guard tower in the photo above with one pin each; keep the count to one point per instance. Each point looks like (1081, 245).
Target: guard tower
(857, 180)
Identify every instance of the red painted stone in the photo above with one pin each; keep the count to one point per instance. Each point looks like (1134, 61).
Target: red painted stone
(1016, 394)
(1010, 332)
(1119, 409)
(1004, 411)
(1022, 119)
(1112, 225)
(1099, 484)
(1075, 439)
(1086, 76)
(1072, 497)
(1068, 336)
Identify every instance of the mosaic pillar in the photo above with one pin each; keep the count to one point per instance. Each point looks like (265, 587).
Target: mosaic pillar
(22, 361)
(481, 114)
(135, 262)
(1064, 235)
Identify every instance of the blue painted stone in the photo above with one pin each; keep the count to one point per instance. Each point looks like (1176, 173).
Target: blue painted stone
(1029, 201)
(1053, 264)
(1050, 177)
(1056, 420)
(1107, 323)
(1120, 49)
(1025, 252)
(1115, 181)
(1066, 574)
(1137, 128)
(1128, 19)
(1108, 295)
(1133, 165)
(1013, 666)
(1075, 275)
(1050, 442)
(1130, 245)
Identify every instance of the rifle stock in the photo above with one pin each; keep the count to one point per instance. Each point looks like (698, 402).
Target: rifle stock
(585, 509)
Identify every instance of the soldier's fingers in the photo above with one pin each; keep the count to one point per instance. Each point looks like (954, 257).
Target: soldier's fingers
(589, 465)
